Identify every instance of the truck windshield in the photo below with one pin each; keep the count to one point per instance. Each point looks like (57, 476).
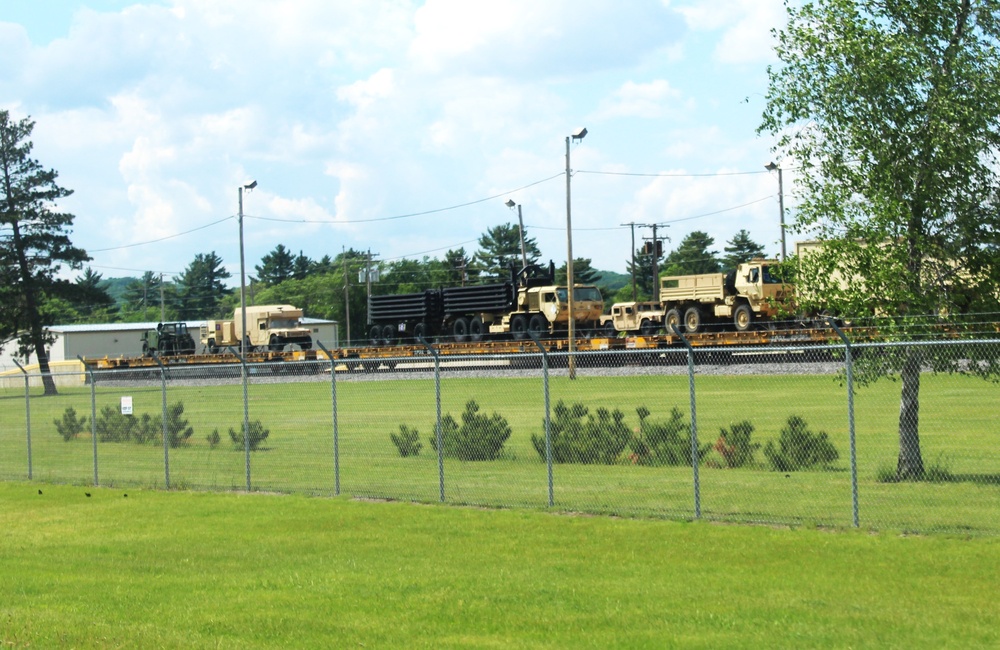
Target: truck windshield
(580, 293)
(770, 278)
(283, 323)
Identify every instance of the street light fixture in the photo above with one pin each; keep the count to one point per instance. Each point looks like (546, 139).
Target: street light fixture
(579, 134)
(243, 286)
(781, 204)
(520, 230)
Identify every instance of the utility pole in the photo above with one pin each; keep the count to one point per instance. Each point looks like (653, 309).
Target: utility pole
(634, 294)
(655, 250)
(347, 296)
(162, 308)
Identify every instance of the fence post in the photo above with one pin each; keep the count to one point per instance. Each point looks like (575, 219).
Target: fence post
(163, 390)
(694, 422)
(93, 413)
(849, 366)
(437, 400)
(336, 436)
(246, 412)
(548, 428)
(27, 409)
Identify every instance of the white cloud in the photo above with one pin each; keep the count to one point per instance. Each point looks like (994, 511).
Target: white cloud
(644, 100)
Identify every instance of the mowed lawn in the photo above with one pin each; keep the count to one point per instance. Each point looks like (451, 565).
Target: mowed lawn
(158, 569)
(958, 431)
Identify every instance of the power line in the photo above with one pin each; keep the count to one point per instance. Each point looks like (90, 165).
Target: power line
(412, 214)
(156, 241)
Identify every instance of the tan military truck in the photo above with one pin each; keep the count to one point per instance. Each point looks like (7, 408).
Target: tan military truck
(743, 296)
(644, 317)
(269, 327)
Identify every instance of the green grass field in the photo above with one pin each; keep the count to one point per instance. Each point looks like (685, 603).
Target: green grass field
(958, 431)
(179, 569)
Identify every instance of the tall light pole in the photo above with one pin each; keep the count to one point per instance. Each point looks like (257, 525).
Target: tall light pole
(781, 204)
(243, 285)
(520, 230)
(578, 135)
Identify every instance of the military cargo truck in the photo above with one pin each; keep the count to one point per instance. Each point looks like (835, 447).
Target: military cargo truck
(747, 294)
(269, 327)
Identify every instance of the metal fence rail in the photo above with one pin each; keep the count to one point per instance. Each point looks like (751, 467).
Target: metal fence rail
(790, 435)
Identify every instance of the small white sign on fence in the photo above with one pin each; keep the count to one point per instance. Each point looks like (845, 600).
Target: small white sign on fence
(126, 405)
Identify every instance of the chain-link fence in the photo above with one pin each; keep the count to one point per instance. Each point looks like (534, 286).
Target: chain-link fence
(888, 436)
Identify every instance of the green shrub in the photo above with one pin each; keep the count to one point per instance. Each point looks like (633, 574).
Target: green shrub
(734, 444)
(480, 437)
(70, 426)
(213, 439)
(112, 426)
(178, 431)
(799, 448)
(407, 442)
(663, 443)
(579, 437)
(258, 434)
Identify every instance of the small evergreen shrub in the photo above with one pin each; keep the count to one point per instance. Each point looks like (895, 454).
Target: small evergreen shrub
(479, 437)
(407, 442)
(213, 439)
(579, 437)
(258, 434)
(799, 448)
(70, 426)
(664, 443)
(178, 431)
(112, 426)
(734, 444)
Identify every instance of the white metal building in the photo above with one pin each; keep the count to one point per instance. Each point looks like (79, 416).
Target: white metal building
(125, 340)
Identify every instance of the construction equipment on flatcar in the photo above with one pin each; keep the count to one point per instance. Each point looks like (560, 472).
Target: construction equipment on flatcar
(269, 327)
(168, 339)
(529, 302)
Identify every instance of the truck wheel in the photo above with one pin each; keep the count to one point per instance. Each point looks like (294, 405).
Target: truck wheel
(609, 330)
(275, 343)
(538, 325)
(692, 320)
(388, 334)
(743, 318)
(673, 317)
(212, 347)
(375, 335)
(460, 330)
(648, 327)
(476, 330)
(519, 327)
(419, 331)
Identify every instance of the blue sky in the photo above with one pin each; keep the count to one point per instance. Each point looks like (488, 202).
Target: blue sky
(394, 126)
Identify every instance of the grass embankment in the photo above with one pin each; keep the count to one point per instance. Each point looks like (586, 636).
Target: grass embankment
(958, 431)
(208, 570)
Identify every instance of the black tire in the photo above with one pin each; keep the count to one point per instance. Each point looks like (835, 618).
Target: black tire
(388, 334)
(212, 347)
(460, 330)
(419, 332)
(648, 327)
(477, 330)
(693, 319)
(519, 327)
(743, 318)
(673, 317)
(275, 344)
(538, 325)
(375, 335)
(610, 330)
